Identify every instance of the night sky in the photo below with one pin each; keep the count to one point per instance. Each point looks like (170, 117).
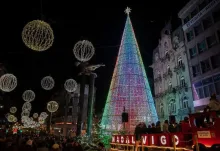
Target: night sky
(100, 23)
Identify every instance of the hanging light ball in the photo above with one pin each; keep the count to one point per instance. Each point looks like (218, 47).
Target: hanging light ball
(44, 115)
(8, 82)
(11, 118)
(83, 50)
(26, 107)
(35, 115)
(47, 83)
(15, 119)
(28, 95)
(38, 35)
(70, 85)
(24, 113)
(52, 106)
(41, 120)
(13, 109)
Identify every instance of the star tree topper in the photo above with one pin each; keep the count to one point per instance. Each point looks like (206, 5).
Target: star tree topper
(127, 10)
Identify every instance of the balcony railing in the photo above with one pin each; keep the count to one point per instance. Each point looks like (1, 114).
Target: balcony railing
(181, 87)
(179, 68)
(168, 74)
(184, 111)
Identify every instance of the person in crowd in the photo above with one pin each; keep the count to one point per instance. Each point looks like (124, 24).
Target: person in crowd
(55, 147)
(214, 104)
(101, 147)
(42, 146)
(165, 126)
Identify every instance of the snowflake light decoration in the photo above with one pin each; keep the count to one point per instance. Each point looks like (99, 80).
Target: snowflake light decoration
(28, 95)
(83, 50)
(25, 113)
(8, 82)
(52, 106)
(38, 35)
(70, 85)
(13, 109)
(47, 83)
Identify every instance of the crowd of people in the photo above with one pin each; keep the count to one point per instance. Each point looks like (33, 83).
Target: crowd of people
(41, 143)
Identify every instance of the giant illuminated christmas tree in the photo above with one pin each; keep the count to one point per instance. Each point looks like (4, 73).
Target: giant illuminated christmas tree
(129, 87)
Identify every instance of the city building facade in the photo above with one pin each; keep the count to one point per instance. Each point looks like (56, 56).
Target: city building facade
(173, 95)
(65, 121)
(201, 26)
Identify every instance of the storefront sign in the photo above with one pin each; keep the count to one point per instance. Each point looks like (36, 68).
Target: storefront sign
(204, 11)
(204, 134)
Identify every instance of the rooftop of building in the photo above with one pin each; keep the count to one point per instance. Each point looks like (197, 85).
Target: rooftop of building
(188, 8)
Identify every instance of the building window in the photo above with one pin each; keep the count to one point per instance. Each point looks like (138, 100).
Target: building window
(182, 82)
(186, 19)
(185, 103)
(215, 60)
(170, 85)
(196, 70)
(161, 109)
(207, 22)
(172, 107)
(165, 45)
(158, 73)
(194, 12)
(180, 62)
(168, 68)
(211, 41)
(192, 52)
(198, 29)
(200, 93)
(209, 90)
(205, 65)
(201, 46)
(217, 87)
(216, 15)
(189, 35)
(156, 56)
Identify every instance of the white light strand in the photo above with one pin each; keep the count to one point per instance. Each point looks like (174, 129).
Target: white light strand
(83, 50)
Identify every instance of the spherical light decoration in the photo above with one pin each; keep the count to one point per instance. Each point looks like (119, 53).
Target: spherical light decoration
(11, 118)
(38, 35)
(13, 109)
(26, 107)
(35, 115)
(52, 106)
(44, 115)
(24, 113)
(41, 120)
(28, 95)
(8, 82)
(83, 50)
(15, 119)
(47, 83)
(70, 85)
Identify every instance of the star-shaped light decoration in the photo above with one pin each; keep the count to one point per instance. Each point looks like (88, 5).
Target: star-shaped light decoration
(127, 10)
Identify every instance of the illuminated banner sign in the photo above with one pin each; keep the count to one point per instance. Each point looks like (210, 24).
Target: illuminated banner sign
(204, 134)
(150, 139)
(205, 10)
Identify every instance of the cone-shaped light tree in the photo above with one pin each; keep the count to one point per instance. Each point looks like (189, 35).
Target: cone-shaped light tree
(129, 87)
